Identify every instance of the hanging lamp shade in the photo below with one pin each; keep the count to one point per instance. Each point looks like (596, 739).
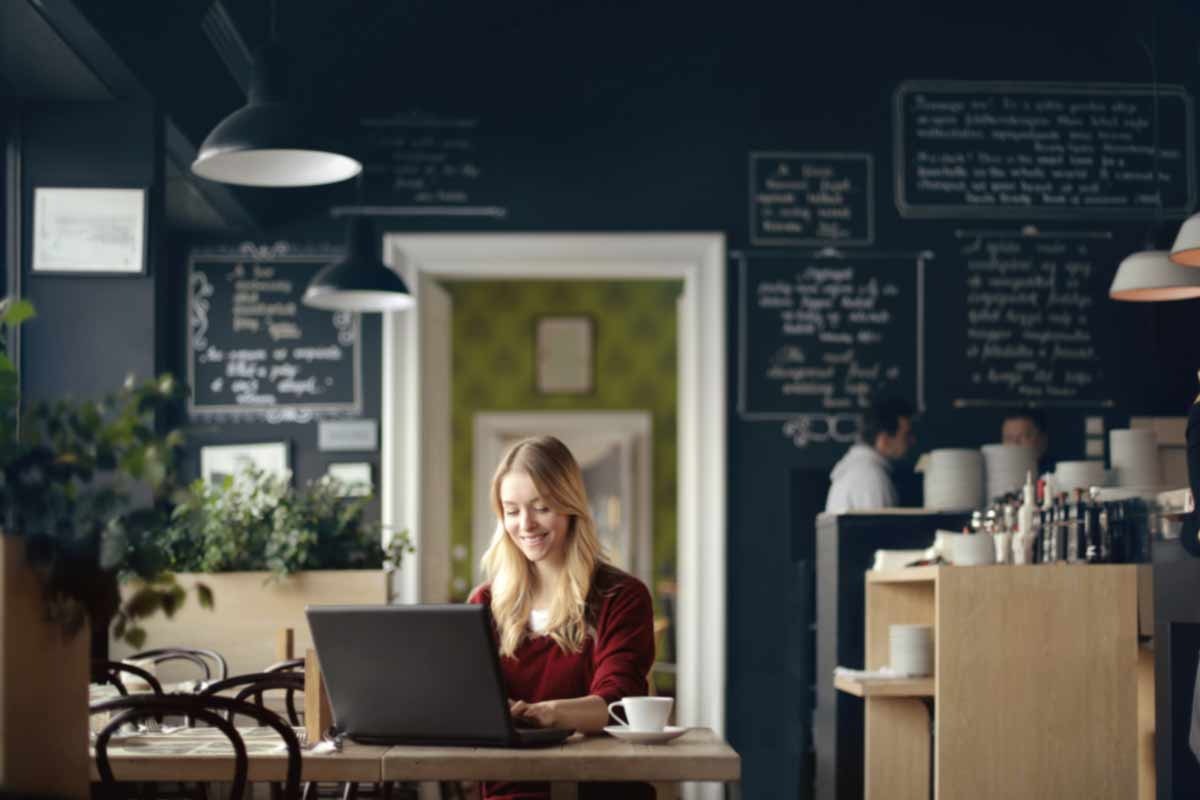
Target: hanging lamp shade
(266, 142)
(1186, 250)
(359, 281)
(1150, 276)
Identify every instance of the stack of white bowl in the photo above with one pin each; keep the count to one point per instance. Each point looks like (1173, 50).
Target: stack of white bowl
(911, 649)
(1134, 457)
(1006, 466)
(954, 480)
(1072, 475)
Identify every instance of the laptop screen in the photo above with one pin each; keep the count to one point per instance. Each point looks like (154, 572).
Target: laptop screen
(424, 674)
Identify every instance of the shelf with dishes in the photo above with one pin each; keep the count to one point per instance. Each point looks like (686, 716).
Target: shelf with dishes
(885, 687)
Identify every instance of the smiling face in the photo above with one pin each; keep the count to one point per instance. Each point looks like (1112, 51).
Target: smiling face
(536, 529)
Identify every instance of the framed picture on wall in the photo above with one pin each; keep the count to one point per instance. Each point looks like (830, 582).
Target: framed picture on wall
(355, 478)
(565, 355)
(224, 461)
(89, 231)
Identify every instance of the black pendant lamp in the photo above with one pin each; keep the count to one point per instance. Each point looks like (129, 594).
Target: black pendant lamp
(267, 141)
(359, 280)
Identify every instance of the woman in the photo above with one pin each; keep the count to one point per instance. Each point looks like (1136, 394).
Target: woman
(574, 632)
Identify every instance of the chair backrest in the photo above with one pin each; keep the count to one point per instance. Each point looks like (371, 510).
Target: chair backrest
(286, 666)
(255, 683)
(209, 709)
(110, 672)
(200, 657)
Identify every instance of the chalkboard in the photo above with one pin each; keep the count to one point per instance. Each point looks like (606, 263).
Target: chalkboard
(811, 199)
(255, 351)
(819, 333)
(1042, 150)
(1037, 318)
(425, 164)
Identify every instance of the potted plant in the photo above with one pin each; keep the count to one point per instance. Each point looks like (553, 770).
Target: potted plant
(85, 490)
(271, 549)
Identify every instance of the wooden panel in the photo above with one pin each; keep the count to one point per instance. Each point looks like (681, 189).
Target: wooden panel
(909, 575)
(1147, 775)
(1145, 600)
(885, 687)
(1038, 664)
(43, 688)
(895, 604)
(250, 610)
(897, 749)
(698, 755)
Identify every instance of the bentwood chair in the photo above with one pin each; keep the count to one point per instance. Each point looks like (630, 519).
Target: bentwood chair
(209, 709)
(110, 672)
(205, 660)
(255, 684)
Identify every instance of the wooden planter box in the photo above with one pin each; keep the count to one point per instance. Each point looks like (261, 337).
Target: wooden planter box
(250, 609)
(43, 689)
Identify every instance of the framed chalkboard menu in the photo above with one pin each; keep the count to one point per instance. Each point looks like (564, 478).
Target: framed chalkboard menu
(1039, 325)
(1042, 150)
(818, 334)
(255, 351)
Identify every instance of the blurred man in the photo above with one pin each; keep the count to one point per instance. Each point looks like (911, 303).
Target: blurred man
(1026, 427)
(862, 479)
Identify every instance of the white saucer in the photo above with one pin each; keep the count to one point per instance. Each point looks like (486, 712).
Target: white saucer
(645, 737)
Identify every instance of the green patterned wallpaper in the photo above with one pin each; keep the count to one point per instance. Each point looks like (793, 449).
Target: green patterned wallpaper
(635, 368)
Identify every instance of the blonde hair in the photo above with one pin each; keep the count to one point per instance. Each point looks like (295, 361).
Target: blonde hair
(559, 483)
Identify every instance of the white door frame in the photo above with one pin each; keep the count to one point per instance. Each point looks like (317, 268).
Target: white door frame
(696, 259)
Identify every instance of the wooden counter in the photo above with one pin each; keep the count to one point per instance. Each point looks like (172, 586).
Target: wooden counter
(1036, 685)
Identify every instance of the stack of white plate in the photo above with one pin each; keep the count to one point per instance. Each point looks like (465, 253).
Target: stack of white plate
(1006, 466)
(1072, 475)
(1134, 457)
(954, 480)
(911, 649)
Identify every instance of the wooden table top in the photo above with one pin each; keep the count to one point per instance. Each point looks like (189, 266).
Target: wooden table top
(203, 754)
(698, 755)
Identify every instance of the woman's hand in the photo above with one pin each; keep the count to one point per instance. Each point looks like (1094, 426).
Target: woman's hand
(543, 715)
(584, 714)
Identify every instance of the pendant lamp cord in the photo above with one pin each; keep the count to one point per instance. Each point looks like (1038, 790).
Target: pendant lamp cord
(1152, 55)
(272, 21)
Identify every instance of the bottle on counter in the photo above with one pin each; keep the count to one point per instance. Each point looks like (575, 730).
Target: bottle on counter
(1076, 525)
(1025, 536)
(1094, 519)
(1004, 532)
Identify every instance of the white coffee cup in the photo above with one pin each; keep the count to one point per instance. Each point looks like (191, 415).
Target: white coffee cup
(646, 714)
(911, 649)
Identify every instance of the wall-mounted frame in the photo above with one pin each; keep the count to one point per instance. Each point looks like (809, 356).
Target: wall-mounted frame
(355, 477)
(220, 461)
(89, 231)
(565, 355)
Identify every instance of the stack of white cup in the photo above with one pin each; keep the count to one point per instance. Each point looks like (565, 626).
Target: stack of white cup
(1006, 466)
(954, 480)
(1134, 457)
(1072, 475)
(911, 649)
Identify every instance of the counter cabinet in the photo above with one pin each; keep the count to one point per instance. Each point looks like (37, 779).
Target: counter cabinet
(1040, 688)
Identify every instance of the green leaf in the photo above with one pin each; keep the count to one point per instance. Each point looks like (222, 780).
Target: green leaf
(135, 637)
(204, 595)
(17, 311)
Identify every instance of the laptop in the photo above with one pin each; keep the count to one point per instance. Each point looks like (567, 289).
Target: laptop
(423, 674)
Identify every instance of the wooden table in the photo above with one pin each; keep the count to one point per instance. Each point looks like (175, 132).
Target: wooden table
(698, 755)
(203, 754)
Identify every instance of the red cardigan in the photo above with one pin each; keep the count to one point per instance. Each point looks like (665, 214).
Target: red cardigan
(613, 663)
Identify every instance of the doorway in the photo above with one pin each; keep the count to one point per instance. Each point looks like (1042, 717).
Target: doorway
(414, 437)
